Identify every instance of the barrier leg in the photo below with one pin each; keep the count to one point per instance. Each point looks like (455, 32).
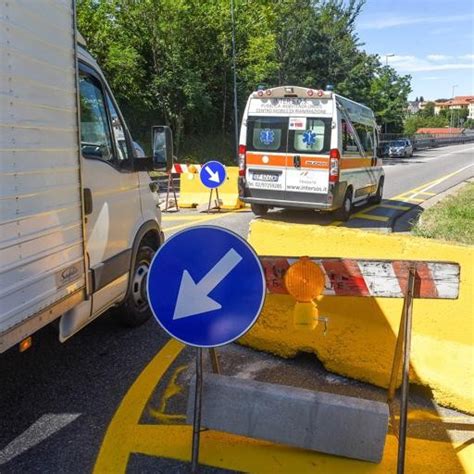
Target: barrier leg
(218, 207)
(402, 356)
(174, 193)
(218, 200)
(406, 368)
(197, 412)
(170, 184)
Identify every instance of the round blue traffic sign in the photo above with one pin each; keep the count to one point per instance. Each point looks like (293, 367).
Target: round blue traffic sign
(206, 286)
(212, 174)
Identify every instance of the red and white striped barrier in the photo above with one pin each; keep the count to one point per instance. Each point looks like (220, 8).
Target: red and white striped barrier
(179, 169)
(377, 278)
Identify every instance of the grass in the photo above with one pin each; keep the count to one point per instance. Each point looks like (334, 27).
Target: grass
(451, 219)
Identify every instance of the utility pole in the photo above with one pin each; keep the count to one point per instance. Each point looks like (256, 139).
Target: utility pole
(390, 55)
(451, 109)
(236, 111)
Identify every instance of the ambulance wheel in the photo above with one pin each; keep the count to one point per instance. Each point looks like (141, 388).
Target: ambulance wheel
(377, 197)
(135, 311)
(259, 209)
(344, 212)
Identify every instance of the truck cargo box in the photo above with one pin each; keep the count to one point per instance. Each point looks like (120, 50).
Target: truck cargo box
(42, 269)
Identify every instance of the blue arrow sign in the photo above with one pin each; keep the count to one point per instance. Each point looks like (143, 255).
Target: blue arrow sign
(212, 174)
(206, 286)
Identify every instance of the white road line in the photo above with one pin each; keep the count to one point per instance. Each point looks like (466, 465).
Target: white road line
(41, 429)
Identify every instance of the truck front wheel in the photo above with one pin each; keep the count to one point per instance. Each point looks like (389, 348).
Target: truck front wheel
(135, 310)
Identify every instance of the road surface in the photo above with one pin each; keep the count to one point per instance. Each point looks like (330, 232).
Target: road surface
(57, 400)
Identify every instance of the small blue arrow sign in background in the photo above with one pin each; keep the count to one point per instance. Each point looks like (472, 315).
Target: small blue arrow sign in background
(212, 174)
(206, 286)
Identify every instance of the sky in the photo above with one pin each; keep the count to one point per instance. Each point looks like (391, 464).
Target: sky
(432, 40)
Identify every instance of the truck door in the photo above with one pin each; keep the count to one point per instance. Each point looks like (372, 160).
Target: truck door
(111, 188)
(307, 162)
(267, 147)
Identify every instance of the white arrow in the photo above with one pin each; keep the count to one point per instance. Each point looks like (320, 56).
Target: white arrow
(41, 429)
(213, 175)
(193, 297)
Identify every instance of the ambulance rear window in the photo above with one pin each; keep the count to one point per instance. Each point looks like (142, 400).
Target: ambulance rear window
(267, 133)
(313, 138)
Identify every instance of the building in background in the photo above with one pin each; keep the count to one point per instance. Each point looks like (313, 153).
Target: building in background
(471, 110)
(456, 103)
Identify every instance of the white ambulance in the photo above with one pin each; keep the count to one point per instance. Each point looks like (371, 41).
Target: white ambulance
(308, 148)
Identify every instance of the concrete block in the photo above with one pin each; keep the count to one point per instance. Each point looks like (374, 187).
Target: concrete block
(325, 422)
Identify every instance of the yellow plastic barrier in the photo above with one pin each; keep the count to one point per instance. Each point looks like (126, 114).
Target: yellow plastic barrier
(193, 193)
(229, 191)
(360, 340)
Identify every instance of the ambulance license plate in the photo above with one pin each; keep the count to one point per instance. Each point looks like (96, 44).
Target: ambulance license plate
(268, 177)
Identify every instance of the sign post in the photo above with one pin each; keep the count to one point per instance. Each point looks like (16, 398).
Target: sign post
(206, 288)
(212, 175)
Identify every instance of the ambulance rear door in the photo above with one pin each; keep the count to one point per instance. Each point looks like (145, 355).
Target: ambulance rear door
(307, 160)
(267, 147)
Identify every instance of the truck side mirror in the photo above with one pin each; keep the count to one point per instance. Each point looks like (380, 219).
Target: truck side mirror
(162, 139)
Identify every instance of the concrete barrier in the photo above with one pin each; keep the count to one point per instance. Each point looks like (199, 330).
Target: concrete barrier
(193, 193)
(361, 335)
(325, 422)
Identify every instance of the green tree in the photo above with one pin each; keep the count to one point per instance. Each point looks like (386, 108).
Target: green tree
(169, 61)
(428, 110)
(389, 93)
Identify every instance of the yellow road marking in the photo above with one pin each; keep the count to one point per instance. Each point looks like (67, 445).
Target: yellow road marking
(125, 436)
(172, 389)
(408, 196)
(178, 217)
(396, 206)
(120, 436)
(430, 184)
(370, 217)
(202, 219)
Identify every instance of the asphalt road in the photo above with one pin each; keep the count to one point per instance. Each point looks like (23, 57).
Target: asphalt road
(408, 183)
(57, 400)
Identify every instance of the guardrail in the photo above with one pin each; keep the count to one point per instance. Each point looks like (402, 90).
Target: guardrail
(423, 140)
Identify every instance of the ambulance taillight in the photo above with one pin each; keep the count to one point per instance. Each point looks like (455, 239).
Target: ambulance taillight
(242, 151)
(334, 162)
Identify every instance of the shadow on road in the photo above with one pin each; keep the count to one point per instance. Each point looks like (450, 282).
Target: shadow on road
(389, 216)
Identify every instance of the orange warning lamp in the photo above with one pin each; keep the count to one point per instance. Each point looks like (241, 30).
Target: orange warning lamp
(304, 280)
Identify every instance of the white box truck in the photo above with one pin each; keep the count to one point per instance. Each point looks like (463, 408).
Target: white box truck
(79, 221)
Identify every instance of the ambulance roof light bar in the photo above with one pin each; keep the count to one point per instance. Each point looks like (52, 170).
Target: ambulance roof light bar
(292, 91)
